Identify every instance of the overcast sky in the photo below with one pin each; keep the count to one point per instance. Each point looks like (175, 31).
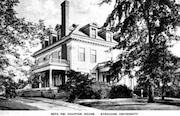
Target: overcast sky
(81, 12)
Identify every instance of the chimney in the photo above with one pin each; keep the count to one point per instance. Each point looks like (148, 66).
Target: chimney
(65, 18)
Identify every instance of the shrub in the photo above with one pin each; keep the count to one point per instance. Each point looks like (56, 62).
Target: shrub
(137, 91)
(10, 88)
(173, 91)
(101, 90)
(32, 93)
(62, 95)
(120, 91)
(78, 86)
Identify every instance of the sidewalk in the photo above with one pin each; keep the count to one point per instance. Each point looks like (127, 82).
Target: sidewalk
(53, 104)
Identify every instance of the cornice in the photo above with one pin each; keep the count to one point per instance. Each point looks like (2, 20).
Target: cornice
(79, 38)
(43, 50)
(84, 39)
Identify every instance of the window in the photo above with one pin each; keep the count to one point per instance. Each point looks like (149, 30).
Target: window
(54, 39)
(59, 54)
(58, 34)
(81, 54)
(93, 33)
(55, 55)
(50, 40)
(104, 78)
(108, 37)
(56, 79)
(93, 56)
(46, 43)
(50, 56)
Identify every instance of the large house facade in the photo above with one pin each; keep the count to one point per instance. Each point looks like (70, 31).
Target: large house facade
(83, 49)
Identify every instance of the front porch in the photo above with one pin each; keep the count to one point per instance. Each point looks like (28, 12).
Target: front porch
(49, 79)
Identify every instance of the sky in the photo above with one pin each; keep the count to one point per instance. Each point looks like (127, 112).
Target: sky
(81, 12)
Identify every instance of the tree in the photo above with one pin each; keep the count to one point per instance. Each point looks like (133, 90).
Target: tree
(144, 32)
(17, 39)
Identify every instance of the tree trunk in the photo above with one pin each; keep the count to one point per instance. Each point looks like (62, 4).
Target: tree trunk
(151, 94)
(163, 92)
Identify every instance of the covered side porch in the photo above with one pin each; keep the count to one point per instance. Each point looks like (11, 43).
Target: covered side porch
(46, 84)
(50, 74)
(49, 79)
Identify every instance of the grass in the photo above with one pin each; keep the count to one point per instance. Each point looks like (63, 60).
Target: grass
(103, 104)
(6, 104)
(130, 104)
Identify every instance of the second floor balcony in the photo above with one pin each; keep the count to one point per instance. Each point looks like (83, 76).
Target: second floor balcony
(51, 62)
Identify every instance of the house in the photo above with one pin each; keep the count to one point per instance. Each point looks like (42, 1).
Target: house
(81, 48)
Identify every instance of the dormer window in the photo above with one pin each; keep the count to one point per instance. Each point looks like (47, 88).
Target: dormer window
(46, 43)
(58, 35)
(93, 32)
(90, 30)
(54, 39)
(108, 37)
(50, 40)
(58, 30)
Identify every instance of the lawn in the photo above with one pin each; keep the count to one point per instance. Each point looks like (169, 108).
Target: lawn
(6, 104)
(129, 104)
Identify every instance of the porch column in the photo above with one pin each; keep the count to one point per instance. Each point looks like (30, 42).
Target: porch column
(65, 76)
(50, 78)
(40, 83)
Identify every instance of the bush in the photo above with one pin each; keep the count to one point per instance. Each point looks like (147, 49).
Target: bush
(137, 91)
(10, 88)
(78, 86)
(101, 90)
(62, 95)
(120, 91)
(173, 91)
(32, 93)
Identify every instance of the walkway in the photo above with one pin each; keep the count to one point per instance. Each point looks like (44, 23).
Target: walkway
(53, 104)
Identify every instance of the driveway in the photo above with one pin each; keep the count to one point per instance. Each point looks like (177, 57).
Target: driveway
(53, 104)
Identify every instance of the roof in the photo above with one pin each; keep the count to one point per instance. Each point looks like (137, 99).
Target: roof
(76, 30)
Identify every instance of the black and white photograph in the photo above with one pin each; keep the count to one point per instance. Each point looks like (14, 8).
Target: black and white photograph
(90, 57)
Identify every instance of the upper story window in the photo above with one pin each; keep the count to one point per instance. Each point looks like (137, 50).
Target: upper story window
(81, 54)
(59, 54)
(51, 56)
(93, 32)
(93, 56)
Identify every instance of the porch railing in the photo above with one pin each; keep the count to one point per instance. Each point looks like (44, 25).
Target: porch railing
(52, 61)
(61, 61)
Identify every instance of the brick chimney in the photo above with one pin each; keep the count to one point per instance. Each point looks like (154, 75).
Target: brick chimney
(65, 18)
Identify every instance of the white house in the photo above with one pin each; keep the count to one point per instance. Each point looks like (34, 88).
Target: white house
(76, 47)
